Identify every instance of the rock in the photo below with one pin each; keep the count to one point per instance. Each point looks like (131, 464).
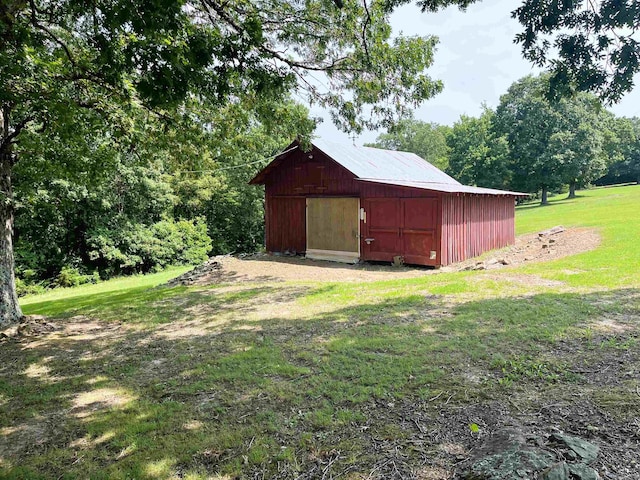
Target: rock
(552, 231)
(211, 267)
(586, 451)
(559, 471)
(545, 245)
(580, 471)
(506, 455)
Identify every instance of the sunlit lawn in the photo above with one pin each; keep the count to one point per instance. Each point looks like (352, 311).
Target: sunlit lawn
(309, 379)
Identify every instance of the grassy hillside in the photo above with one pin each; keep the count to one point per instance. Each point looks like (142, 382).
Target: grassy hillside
(322, 380)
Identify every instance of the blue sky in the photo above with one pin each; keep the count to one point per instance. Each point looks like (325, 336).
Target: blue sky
(476, 59)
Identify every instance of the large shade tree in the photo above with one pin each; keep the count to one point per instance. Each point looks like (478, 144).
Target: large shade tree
(57, 57)
(551, 142)
(624, 152)
(157, 53)
(477, 155)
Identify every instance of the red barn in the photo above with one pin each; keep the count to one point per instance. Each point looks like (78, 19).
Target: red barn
(348, 203)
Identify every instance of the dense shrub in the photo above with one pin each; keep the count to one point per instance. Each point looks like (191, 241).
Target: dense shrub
(24, 287)
(71, 277)
(142, 249)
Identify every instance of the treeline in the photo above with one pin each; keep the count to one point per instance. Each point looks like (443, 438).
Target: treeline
(161, 190)
(121, 189)
(529, 143)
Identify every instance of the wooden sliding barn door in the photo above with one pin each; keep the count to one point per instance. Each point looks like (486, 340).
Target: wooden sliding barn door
(333, 229)
(403, 227)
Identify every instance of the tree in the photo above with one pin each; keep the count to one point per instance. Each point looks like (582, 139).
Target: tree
(478, 156)
(526, 118)
(56, 57)
(552, 142)
(427, 140)
(587, 45)
(578, 144)
(625, 164)
(631, 152)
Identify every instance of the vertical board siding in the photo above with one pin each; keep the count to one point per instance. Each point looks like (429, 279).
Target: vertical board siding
(285, 224)
(467, 225)
(474, 224)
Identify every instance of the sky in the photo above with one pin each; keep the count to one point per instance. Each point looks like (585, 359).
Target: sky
(476, 59)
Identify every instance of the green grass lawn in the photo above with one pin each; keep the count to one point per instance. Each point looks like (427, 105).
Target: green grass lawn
(332, 380)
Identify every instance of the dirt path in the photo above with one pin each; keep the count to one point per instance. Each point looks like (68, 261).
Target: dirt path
(268, 268)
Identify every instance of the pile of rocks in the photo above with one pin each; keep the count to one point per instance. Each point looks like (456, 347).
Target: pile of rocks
(29, 326)
(208, 272)
(540, 246)
(509, 454)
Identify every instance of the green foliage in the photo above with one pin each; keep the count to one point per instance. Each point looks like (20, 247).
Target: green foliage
(28, 287)
(138, 248)
(624, 151)
(588, 47)
(97, 205)
(71, 277)
(477, 155)
(427, 140)
(551, 143)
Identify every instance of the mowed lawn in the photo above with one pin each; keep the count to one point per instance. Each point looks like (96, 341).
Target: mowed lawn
(392, 379)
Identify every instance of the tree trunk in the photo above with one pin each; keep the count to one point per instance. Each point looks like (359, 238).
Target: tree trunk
(572, 190)
(9, 308)
(544, 200)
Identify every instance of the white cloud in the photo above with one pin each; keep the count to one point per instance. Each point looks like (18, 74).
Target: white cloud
(476, 59)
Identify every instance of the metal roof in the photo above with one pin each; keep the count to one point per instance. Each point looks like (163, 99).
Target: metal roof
(446, 187)
(378, 164)
(389, 167)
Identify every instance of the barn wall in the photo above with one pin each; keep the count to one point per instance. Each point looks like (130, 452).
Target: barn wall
(473, 224)
(298, 177)
(467, 226)
(285, 224)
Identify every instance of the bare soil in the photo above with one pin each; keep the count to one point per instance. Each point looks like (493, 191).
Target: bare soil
(535, 248)
(528, 248)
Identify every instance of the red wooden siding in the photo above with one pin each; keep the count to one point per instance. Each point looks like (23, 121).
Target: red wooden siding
(405, 221)
(382, 229)
(401, 226)
(419, 229)
(285, 224)
(473, 224)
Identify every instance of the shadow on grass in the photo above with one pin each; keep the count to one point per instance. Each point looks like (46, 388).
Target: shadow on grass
(552, 202)
(277, 395)
(152, 306)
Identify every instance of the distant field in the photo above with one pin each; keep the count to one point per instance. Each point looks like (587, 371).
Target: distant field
(352, 380)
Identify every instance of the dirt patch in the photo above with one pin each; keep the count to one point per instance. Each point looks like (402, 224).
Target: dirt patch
(28, 326)
(267, 268)
(536, 247)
